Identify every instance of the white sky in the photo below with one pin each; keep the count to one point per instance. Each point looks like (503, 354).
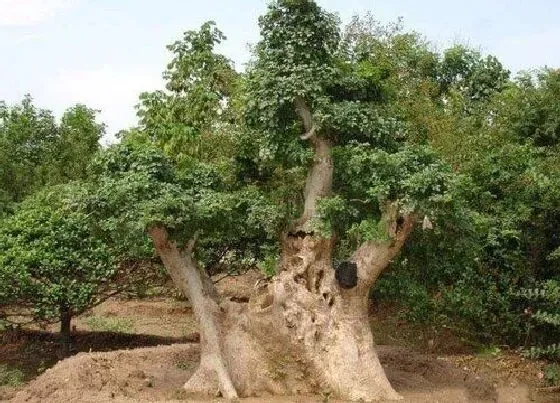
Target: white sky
(105, 52)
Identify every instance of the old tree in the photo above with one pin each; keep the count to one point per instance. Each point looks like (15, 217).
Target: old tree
(307, 157)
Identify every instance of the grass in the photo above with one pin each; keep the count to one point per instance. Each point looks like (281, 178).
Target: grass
(552, 374)
(489, 352)
(116, 325)
(10, 377)
(187, 365)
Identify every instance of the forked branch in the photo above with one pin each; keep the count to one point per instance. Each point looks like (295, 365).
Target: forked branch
(373, 257)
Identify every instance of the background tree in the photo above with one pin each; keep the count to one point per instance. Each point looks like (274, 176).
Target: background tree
(499, 240)
(199, 86)
(35, 150)
(28, 136)
(52, 265)
(467, 273)
(79, 135)
(56, 263)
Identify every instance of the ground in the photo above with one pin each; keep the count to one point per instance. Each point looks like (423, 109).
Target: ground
(161, 342)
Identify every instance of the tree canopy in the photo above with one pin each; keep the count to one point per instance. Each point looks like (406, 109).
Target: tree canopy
(35, 150)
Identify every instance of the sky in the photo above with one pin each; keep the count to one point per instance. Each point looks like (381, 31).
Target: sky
(104, 53)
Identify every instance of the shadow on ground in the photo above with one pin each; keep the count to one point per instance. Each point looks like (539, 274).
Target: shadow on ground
(32, 352)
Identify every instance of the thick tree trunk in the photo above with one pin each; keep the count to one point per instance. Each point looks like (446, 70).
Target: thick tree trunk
(331, 323)
(65, 329)
(302, 332)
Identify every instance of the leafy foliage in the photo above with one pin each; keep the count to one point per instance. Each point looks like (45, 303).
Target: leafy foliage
(466, 70)
(198, 202)
(56, 260)
(36, 151)
(50, 258)
(369, 179)
(496, 230)
(533, 113)
(199, 84)
(544, 312)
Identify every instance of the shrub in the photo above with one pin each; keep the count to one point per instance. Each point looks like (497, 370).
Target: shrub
(10, 376)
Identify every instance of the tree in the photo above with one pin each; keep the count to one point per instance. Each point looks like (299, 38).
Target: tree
(27, 137)
(199, 85)
(465, 70)
(531, 109)
(35, 150)
(321, 164)
(55, 264)
(77, 144)
(500, 239)
(365, 187)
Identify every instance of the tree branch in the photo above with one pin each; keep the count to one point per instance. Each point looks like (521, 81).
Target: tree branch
(307, 118)
(309, 135)
(372, 257)
(319, 179)
(192, 242)
(197, 285)
(230, 274)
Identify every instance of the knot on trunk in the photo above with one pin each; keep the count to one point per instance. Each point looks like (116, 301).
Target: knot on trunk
(346, 274)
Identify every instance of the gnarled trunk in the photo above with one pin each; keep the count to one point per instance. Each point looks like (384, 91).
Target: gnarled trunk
(329, 323)
(303, 332)
(300, 333)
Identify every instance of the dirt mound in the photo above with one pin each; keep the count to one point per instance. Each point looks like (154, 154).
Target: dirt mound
(146, 374)
(158, 373)
(415, 375)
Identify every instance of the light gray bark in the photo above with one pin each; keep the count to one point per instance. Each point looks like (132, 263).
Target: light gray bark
(320, 176)
(196, 284)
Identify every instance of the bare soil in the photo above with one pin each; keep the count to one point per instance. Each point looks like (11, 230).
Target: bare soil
(156, 352)
(158, 373)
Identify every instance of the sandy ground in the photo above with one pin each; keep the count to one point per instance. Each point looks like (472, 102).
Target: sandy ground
(157, 374)
(144, 351)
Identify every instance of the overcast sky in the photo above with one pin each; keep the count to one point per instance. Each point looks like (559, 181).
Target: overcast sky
(105, 52)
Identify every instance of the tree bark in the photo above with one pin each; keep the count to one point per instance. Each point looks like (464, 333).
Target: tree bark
(65, 328)
(213, 372)
(320, 176)
(330, 323)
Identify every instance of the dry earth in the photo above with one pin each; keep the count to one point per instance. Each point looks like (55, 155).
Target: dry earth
(119, 370)
(156, 374)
